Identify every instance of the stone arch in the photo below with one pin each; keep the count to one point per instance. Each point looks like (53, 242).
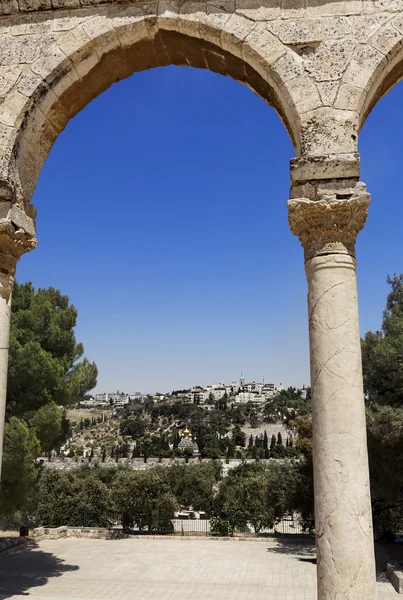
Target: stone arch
(376, 67)
(83, 54)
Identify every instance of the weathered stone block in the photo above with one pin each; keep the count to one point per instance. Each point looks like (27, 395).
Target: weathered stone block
(259, 10)
(349, 97)
(342, 7)
(329, 131)
(395, 576)
(29, 5)
(386, 39)
(342, 166)
(328, 91)
(261, 49)
(304, 93)
(236, 29)
(329, 60)
(7, 7)
(364, 63)
(364, 27)
(297, 31)
(288, 66)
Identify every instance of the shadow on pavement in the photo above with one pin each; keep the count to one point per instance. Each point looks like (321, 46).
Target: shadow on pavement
(28, 568)
(300, 547)
(304, 551)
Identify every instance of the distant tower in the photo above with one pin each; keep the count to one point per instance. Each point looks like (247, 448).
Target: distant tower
(242, 380)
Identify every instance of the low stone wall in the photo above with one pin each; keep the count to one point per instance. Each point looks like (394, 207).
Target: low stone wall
(138, 464)
(395, 576)
(11, 544)
(58, 533)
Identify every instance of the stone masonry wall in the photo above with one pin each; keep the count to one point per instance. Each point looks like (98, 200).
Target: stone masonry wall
(321, 64)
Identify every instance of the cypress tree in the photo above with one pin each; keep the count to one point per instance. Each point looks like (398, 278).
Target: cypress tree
(273, 442)
(279, 439)
(265, 440)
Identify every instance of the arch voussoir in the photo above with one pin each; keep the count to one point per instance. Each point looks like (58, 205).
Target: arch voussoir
(84, 52)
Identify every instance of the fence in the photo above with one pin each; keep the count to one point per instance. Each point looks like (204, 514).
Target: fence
(9, 528)
(202, 528)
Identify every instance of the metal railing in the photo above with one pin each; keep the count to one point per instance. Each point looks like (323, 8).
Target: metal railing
(203, 528)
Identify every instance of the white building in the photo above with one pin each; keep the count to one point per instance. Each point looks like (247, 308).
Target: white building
(196, 395)
(116, 399)
(215, 392)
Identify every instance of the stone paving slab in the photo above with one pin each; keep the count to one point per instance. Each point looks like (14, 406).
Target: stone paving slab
(85, 569)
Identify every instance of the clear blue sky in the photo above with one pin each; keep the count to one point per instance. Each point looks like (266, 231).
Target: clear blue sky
(162, 214)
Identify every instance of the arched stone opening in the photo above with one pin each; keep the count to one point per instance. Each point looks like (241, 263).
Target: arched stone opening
(83, 51)
(382, 66)
(100, 51)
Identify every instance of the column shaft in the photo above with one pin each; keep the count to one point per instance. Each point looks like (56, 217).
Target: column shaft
(327, 224)
(344, 537)
(6, 285)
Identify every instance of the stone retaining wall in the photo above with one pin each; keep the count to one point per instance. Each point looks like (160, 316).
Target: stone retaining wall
(67, 464)
(11, 544)
(63, 532)
(58, 533)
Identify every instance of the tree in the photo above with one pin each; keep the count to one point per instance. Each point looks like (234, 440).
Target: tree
(77, 498)
(385, 447)
(303, 499)
(194, 485)
(273, 442)
(382, 351)
(144, 498)
(279, 439)
(253, 420)
(258, 494)
(19, 472)
(47, 423)
(44, 354)
(238, 436)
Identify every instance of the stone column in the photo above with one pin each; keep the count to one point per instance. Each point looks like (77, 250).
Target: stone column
(14, 241)
(6, 288)
(327, 227)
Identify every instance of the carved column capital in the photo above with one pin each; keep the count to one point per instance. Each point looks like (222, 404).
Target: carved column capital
(14, 242)
(329, 225)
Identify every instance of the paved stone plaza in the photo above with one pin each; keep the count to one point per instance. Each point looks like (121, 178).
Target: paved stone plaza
(155, 568)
